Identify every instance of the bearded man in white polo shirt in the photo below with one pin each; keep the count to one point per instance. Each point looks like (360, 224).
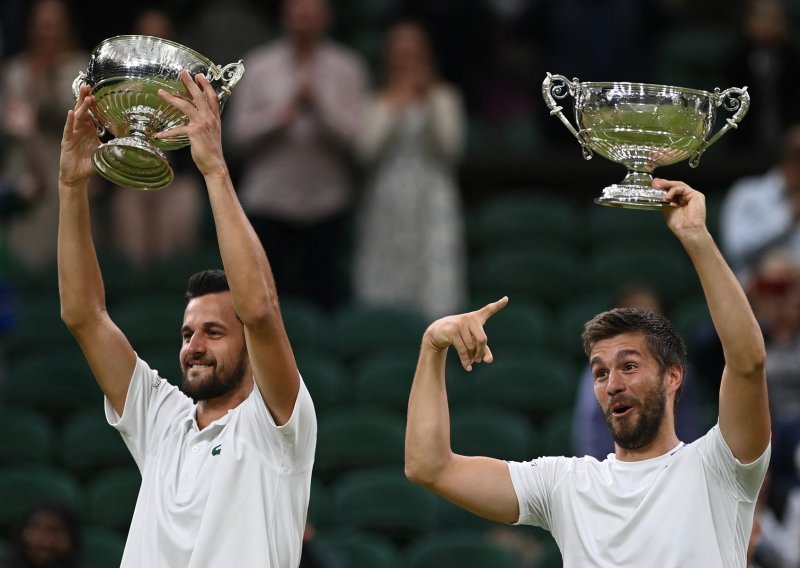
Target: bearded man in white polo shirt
(226, 464)
(655, 501)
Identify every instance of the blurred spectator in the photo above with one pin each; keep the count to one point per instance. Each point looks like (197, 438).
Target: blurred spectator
(590, 434)
(150, 226)
(36, 88)
(295, 118)
(774, 293)
(601, 40)
(765, 60)
(48, 537)
(762, 212)
(244, 24)
(411, 247)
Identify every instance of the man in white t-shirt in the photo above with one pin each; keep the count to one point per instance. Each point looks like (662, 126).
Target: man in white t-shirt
(656, 501)
(226, 460)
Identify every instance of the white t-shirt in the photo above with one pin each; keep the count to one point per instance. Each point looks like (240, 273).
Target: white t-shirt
(234, 494)
(692, 507)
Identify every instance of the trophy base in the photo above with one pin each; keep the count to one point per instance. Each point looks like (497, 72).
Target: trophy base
(133, 162)
(632, 196)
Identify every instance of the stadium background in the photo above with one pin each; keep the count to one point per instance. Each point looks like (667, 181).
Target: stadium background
(533, 233)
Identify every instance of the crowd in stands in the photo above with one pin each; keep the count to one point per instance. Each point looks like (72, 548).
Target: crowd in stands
(351, 136)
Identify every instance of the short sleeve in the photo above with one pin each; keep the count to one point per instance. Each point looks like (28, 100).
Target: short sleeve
(297, 437)
(744, 480)
(151, 406)
(533, 482)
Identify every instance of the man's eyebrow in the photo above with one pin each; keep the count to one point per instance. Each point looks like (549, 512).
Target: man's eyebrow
(620, 355)
(205, 325)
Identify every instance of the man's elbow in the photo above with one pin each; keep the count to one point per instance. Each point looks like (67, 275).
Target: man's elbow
(422, 472)
(77, 317)
(754, 366)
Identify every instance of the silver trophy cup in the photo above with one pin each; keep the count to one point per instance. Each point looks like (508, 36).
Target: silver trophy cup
(642, 126)
(125, 74)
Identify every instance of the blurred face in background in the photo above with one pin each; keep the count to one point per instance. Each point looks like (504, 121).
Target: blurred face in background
(154, 23)
(49, 27)
(408, 50)
(765, 23)
(306, 21)
(791, 161)
(46, 540)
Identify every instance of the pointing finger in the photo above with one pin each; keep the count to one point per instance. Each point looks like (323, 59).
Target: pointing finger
(489, 310)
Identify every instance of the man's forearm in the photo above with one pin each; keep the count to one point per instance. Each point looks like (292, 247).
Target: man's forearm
(80, 283)
(428, 422)
(246, 266)
(730, 310)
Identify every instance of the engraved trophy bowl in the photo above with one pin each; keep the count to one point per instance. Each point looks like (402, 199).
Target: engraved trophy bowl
(643, 126)
(125, 73)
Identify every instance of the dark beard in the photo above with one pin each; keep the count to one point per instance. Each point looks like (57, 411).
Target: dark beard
(642, 432)
(216, 386)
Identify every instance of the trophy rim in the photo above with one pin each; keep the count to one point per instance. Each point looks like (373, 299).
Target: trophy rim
(654, 86)
(156, 39)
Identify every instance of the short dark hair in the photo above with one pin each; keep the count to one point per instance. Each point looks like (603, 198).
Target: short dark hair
(210, 281)
(664, 341)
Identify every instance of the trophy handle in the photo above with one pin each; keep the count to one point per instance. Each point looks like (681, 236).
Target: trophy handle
(734, 100)
(229, 75)
(81, 80)
(558, 87)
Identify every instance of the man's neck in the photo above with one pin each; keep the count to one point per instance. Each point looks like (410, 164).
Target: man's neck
(662, 444)
(207, 411)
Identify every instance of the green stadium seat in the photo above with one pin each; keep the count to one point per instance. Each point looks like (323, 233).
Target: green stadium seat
(570, 318)
(557, 435)
(151, 323)
(320, 505)
(520, 327)
(677, 60)
(103, 547)
(110, 498)
(458, 549)
(540, 383)
(517, 217)
(688, 315)
(360, 549)
(492, 430)
(307, 327)
(21, 487)
(352, 437)
(53, 385)
(542, 275)
(324, 378)
(27, 438)
(39, 323)
(385, 381)
(363, 331)
(667, 270)
(88, 445)
(383, 501)
(614, 227)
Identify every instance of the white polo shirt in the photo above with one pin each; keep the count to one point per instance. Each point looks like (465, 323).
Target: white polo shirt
(693, 506)
(233, 494)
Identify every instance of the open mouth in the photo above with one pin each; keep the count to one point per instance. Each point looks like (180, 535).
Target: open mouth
(621, 409)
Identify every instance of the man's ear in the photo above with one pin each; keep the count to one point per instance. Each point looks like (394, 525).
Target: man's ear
(674, 378)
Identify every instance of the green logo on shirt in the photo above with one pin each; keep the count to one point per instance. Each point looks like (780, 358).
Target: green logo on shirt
(216, 450)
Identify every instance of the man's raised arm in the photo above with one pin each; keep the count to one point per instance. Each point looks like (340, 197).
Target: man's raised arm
(481, 485)
(80, 284)
(243, 258)
(743, 404)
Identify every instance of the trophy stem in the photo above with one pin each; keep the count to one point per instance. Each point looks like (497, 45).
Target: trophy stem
(636, 191)
(133, 161)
